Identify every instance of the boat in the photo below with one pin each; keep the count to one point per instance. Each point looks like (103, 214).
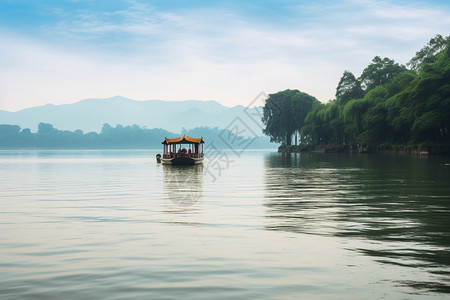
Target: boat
(184, 150)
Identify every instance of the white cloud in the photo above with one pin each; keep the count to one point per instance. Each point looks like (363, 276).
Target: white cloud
(144, 53)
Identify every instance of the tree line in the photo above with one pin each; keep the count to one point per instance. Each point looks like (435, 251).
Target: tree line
(387, 105)
(48, 137)
(119, 137)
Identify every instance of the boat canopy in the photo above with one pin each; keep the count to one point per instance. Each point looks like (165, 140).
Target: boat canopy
(183, 140)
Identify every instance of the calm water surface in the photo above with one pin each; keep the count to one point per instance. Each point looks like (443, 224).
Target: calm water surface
(258, 225)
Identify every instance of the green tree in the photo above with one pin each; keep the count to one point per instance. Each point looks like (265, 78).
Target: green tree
(315, 130)
(348, 88)
(379, 72)
(353, 112)
(284, 113)
(398, 106)
(427, 111)
(376, 129)
(429, 53)
(396, 110)
(333, 129)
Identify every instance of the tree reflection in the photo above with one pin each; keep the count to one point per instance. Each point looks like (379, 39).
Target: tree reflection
(400, 204)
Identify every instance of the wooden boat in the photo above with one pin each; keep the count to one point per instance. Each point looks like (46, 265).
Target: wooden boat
(184, 150)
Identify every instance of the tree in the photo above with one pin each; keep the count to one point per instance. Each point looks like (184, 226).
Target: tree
(9, 135)
(352, 113)
(379, 72)
(428, 110)
(9, 130)
(284, 113)
(46, 129)
(333, 125)
(429, 53)
(106, 129)
(26, 132)
(348, 88)
(376, 129)
(315, 130)
(387, 105)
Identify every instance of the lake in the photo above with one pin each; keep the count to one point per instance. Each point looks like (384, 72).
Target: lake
(253, 224)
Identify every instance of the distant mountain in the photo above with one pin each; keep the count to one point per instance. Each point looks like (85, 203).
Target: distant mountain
(90, 115)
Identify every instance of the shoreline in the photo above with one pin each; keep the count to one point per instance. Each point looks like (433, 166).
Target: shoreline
(386, 149)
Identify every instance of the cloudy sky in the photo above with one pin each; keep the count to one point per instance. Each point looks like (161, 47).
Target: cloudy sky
(63, 51)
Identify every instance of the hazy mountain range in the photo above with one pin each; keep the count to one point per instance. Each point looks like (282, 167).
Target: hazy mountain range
(90, 115)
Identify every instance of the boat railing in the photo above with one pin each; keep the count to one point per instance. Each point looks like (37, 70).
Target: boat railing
(174, 155)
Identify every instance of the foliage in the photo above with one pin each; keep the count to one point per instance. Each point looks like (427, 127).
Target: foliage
(348, 88)
(119, 137)
(284, 113)
(429, 53)
(387, 105)
(379, 72)
(49, 137)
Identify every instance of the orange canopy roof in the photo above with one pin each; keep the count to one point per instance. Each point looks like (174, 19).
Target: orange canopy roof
(183, 140)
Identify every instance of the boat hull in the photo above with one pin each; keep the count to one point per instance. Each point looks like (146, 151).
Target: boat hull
(182, 161)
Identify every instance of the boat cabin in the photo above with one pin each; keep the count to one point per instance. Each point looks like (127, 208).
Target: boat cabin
(184, 150)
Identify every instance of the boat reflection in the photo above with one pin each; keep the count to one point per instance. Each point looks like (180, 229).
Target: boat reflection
(183, 185)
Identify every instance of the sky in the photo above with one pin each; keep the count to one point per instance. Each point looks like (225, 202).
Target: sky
(63, 51)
